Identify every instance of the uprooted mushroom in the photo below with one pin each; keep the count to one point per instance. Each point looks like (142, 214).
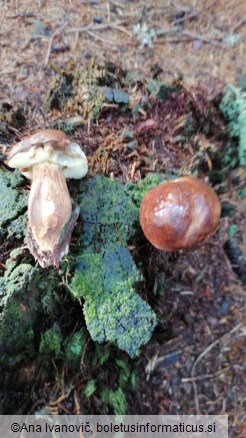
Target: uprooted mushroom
(47, 158)
(179, 214)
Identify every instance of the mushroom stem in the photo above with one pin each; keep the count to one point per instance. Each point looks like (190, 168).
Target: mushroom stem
(49, 205)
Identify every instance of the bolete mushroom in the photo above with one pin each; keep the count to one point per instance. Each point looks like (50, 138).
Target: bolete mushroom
(48, 157)
(179, 213)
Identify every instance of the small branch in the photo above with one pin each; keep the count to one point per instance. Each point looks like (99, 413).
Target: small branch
(115, 25)
(204, 376)
(57, 31)
(203, 38)
(238, 25)
(201, 356)
(99, 38)
(217, 341)
(188, 35)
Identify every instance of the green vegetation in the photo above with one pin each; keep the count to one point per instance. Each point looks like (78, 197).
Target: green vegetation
(116, 400)
(13, 204)
(35, 325)
(137, 191)
(18, 312)
(51, 341)
(113, 311)
(233, 107)
(108, 213)
(74, 346)
(106, 274)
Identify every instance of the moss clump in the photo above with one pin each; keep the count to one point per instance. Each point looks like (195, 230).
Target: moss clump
(233, 107)
(113, 311)
(137, 191)
(108, 213)
(90, 388)
(116, 400)
(75, 346)
(13, 202)
(51, 342)
(27, 303)
(17, 228)
(106, 274)
(19, 312)
(86, 91)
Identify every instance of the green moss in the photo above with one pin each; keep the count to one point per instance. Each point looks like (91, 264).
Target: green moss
(17, 228)
(113, 311)
(124, 372)
(233, 107)
(26, 297)
(75, 346)
(86, 90)
(115, 400)
(51, 342)
(242, 193)
(13, 202)
(88, 279)
(18, 314)
(106, 274)
(90, 388)
(101, 355)
(15, 280)
(107, 211)
(137, 191)
(159, 90)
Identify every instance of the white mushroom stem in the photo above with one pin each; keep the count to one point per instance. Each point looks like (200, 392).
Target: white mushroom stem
(49, 205)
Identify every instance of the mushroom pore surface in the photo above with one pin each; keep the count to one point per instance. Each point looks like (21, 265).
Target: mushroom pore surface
(179, 213)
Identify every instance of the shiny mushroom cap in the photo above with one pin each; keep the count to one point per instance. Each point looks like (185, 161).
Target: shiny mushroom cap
(179, 214)
(50, 146)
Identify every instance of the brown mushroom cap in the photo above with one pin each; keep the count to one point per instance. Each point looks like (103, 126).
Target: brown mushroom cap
(58, 138)
(52, 146)
(179, 214)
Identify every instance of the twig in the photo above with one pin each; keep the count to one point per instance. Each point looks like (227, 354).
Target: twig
(167, 32)
(187, 34)
(116, 25)
(204, 376)
(65, 395)
(83, 355)
(97, 37)
(203, 38)
(217, 341)
(57, 31)
(238, 25)
(6, 72)
(201, 356)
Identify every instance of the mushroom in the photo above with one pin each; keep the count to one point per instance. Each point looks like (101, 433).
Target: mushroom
(179, 213)
(48, 157)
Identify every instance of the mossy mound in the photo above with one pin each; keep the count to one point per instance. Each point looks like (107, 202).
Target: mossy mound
(19, 302)
(106, 274)
(113, 310)
(88, 90)
(13, 204)
(108, 213)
